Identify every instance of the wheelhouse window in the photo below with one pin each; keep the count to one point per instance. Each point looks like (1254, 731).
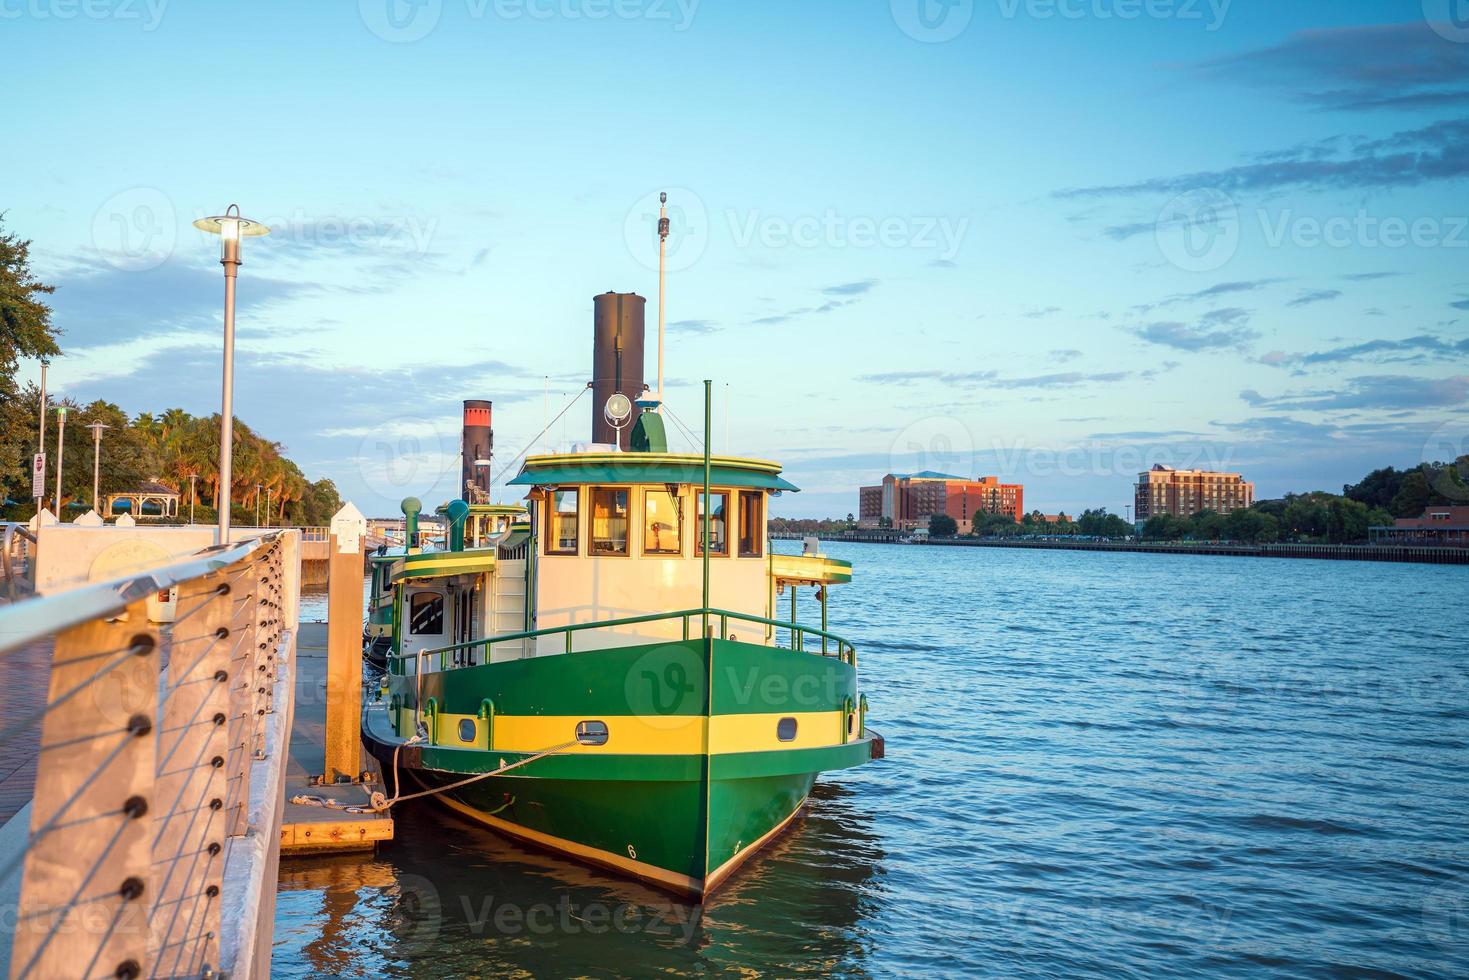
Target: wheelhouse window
(718, 523)
(662, 523)
(426, 614)
(561, 523)
(752, 524)
(609, 521)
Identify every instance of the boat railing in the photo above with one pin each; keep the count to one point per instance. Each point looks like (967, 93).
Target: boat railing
(803, 639)
(143, 823)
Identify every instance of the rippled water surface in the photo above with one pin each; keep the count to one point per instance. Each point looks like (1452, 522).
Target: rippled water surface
(1097, 765)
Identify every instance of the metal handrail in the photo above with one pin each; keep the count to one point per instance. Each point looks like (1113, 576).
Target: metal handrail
(36, 618)
(844, 649)
(13, 531)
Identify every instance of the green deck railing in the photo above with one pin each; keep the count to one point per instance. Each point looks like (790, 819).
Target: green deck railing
(830, 644)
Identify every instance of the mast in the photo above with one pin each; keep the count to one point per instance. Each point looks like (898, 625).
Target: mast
(662, 274)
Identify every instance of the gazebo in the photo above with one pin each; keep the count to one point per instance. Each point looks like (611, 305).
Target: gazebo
(151, 501)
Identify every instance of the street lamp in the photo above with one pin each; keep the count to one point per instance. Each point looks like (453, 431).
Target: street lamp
(41, 440)
(60, 451)
(269, 499)
(96, 428)
(230, 227)
(258, 487)
(193, 495)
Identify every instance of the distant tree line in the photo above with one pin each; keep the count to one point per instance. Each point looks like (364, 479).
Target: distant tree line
(167, 448)
(1316, 516)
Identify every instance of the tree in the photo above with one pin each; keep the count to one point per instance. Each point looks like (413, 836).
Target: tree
(1100, 524)
(942, 526)
(1413, 495)
(1165, 527)
(1378, 488)
(1207, 525)
(25, 321)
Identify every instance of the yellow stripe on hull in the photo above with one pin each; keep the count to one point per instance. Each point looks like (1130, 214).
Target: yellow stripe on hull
(646, 735)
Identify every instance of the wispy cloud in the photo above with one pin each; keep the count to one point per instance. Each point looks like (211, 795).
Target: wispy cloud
(1378, 391)
(846, 294)
(1222, 329)
(693, 326)
(95, 303)
(1402, 66)
(992, 379)
(1409, 158)
(1315, 296)
(1408, 349)
(851, 288)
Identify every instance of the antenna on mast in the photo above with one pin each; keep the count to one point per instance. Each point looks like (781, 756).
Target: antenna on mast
(662, 271)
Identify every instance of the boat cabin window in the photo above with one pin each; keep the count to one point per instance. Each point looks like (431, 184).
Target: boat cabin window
(426, 613)
(718, 523)
(561, 523)
(662, 523)
(609, 520)
(752, 523)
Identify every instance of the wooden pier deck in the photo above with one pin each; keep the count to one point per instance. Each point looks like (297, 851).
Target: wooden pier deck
(316, 829)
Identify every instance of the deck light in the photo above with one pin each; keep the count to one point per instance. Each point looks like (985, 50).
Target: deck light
(230, 228)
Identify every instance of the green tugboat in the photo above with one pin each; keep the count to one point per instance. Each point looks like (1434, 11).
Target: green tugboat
(610, 679)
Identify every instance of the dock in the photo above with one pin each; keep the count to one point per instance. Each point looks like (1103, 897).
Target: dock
(313, 829)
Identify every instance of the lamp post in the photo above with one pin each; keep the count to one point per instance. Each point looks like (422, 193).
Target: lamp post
(97, 428)
(193, 495)
(41, 441)
(258, 488)
(230, 227)
(60, 452)
(269, 501)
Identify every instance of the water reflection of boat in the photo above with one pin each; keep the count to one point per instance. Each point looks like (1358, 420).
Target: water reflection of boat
(482, 903)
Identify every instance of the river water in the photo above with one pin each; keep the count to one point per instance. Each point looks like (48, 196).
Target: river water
(1097, 764)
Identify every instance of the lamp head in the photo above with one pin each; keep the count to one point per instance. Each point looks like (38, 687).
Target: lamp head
(231, 227)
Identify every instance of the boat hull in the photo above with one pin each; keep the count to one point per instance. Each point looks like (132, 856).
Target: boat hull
(684, 789)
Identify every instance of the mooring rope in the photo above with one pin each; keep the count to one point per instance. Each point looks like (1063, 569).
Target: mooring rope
(381, 804)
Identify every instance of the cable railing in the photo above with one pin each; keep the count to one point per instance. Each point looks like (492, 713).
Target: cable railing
(143, 772)
(823, 642)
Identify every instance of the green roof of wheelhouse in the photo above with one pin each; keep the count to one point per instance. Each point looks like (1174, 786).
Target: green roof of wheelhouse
(634, 467)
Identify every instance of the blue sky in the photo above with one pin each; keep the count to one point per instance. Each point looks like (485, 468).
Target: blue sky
(1055, 241)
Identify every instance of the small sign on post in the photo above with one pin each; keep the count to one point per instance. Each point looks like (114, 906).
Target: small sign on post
(38, 475)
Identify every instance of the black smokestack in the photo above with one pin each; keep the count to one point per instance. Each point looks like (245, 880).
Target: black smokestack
(617, 357)
(477, 444)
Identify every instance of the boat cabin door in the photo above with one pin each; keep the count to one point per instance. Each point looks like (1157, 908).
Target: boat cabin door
(425, 624)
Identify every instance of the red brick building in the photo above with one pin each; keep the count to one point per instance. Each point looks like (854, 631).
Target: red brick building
(908, 500)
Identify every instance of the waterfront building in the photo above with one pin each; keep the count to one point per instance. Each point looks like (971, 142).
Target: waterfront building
(1183, 493)
(907, 500)
(1442, 527)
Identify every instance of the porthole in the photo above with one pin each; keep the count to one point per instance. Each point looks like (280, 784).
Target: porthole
(785, 730)
(467, 730)
(591, 732)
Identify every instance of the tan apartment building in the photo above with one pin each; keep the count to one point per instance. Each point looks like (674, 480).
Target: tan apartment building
(1183, 493)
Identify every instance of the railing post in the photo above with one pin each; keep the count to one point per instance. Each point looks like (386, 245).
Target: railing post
(87, 881)
(242, 717)
(188, 844)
